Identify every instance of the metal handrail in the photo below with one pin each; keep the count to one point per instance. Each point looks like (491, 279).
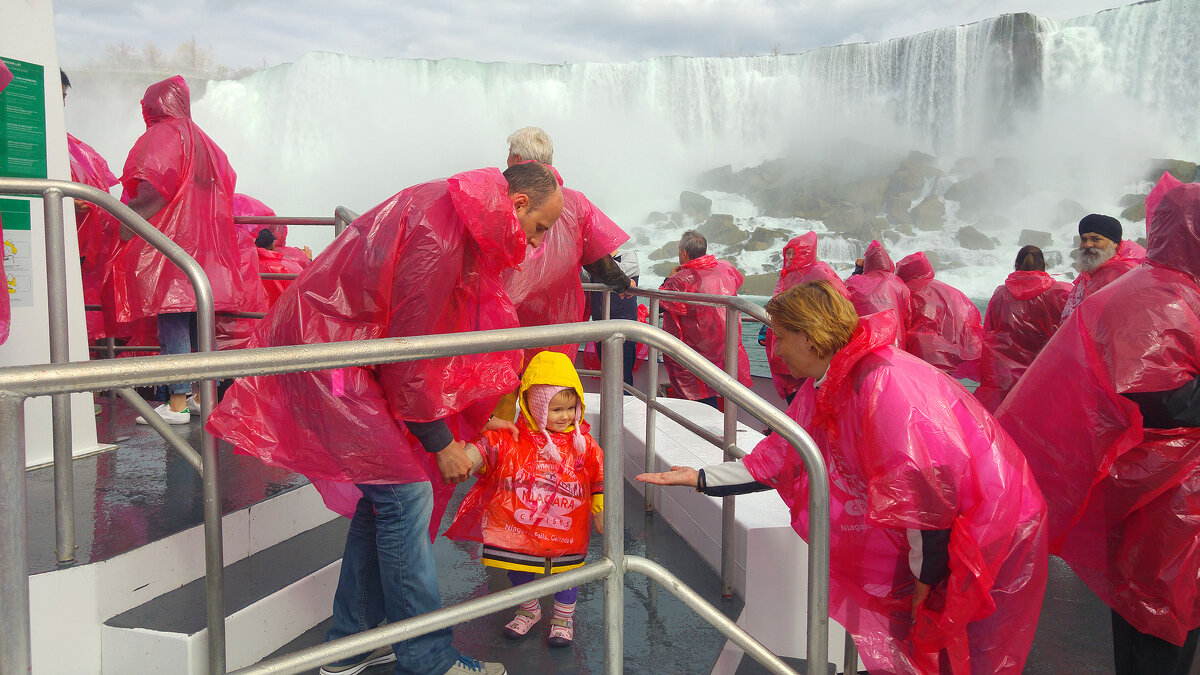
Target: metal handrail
(734, 307)
(52, 192)
(283, 220)
(20, 382)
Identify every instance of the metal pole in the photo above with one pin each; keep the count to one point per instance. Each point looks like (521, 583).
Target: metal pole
(611, 430)
(15, 647)
(729, 504)
(651, 395)
(850, 656)
(214, 559)
(60, 352)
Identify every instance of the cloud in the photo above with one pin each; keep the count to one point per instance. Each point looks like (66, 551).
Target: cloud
(251, 33)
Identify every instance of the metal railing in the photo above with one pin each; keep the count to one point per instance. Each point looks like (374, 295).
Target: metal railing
(52, 193)
(734, 307)
(20, 382)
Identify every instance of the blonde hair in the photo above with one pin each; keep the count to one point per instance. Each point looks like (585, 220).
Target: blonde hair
(819, 312)
(531, 143)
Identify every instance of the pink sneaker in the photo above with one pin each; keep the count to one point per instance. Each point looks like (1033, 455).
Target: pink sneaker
(521, 623)
(562, 632)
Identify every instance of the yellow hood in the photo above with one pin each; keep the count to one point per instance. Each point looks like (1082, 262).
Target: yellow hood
(549, 368)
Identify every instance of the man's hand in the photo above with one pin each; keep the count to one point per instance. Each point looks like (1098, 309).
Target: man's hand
(453, 462)
(632, 284)
(498, 424)
(920, 594)
(307, 251)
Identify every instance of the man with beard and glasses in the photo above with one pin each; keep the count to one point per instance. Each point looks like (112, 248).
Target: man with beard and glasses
(1103, 257)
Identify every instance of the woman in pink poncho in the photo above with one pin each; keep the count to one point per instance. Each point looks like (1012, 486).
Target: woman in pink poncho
(937, 547)
(878, 288)
(800, 264)
(943, 329)
(1021, 316)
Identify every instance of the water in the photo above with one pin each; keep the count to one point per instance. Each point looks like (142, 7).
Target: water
(1081, 102)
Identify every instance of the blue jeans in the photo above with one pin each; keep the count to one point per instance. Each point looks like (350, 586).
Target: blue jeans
(388, 572)
(177, 335)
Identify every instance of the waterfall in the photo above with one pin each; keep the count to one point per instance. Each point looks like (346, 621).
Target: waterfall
(330, 129)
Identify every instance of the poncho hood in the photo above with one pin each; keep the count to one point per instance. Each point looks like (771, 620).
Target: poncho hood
(799, 254)
(169, 99)
(1026, 284)
(551, 368)
(876, 259)
(1175, 237)
(914, 268)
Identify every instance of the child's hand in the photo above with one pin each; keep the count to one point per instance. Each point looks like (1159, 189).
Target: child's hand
(497, 424)
(598, 522)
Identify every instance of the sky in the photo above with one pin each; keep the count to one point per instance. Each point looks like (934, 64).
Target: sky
(260, 33)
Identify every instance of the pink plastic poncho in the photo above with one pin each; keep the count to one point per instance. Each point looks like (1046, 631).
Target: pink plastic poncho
(1021, 316)
(944, 328)
(800, 265)
(426, 261)
(909, 449)
(546, 288)
(187, 168)
(234, 332)
(1165, 184)
(5, 310)
(96, 229)
(878, 288)
(282, 260)
(245, 205)
(1125, 497)
(1128, 256)
(701, 327)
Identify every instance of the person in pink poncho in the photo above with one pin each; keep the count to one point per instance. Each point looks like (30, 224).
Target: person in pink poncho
(944, 328)
(878, 288)
(546, 287)
(1109, 416)
(181, 182)
(800, 265)
(938, 557)
(1103, 257)
(96, 228)
(1021, 316)
(701, 327)
(426, 261)
(5, 309)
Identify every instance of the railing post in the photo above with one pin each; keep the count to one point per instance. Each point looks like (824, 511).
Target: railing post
(612, 429)
(651, 395)
(15, 646)
(214, 558)
(60, 352)
(729, 504)
(850, 656)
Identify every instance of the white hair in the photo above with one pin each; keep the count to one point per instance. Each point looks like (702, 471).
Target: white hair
(531, 143)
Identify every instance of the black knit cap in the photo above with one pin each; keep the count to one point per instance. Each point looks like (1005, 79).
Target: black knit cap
(1105, 226)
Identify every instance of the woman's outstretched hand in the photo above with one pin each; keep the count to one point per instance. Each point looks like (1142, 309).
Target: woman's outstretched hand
(678, 475)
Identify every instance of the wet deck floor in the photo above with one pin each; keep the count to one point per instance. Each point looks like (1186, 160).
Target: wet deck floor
(141, 492)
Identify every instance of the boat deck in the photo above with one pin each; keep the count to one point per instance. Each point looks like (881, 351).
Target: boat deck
(141, 492)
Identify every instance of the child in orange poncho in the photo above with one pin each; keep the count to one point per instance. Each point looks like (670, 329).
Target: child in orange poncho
(536, 494)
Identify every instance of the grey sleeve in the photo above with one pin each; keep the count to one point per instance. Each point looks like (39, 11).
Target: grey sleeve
(726, 479)
(434, 436)
(929, 555)
(628, 262)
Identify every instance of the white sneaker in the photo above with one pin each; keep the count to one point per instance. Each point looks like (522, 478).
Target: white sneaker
(382, 655)
(169, 416)
(193, 401)
(468, 666)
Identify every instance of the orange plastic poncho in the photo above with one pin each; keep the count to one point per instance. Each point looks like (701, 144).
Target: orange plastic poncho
(701, 327)
(909, 449)
(878, 289)
(5, 310)
(426, 261)
(545, 288)
(188, 169)
(1125, 497)
(1021, 316)
(944, 328)
(525, 500)
(1128, 256)
(800, 265)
